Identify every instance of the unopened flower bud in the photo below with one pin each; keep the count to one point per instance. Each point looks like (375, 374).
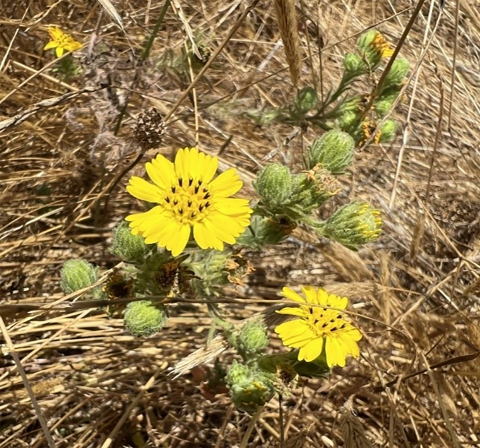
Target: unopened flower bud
(77, 274)
(274, 184)
(388, 131)
(253, 338)
(250, 387)
(306, 100)
(384, 104)
(130, 248)
(373, 47)
(354, 224)
(354, 65)
(347, 120)
(333, 150)
(144, 319)
(397, 74)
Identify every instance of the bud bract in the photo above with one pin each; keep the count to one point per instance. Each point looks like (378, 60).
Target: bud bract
(333, 150)
(77, 274)
(274, 184)
(354, 224)
(384, 104)
(130, 248)
(143, 318)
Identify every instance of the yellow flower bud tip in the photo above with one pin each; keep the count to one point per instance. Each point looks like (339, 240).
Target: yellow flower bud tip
(382, 46)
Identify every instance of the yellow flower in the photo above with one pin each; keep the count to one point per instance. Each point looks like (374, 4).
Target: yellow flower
(319, 327)
(382, 46)
(186, 198)
(61, 42)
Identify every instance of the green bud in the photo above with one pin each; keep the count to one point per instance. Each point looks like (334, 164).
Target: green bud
(263, 231)
(250, 387)
(130, 248)
(388, 131)
(397, 74)
(354, 65)
(347, 120)
(144, 319)
(384, 104)
(354, 224)
(373, 47)
(77, 274)
(274, 184)
(333, 150)
(306, 100)
(253, 338)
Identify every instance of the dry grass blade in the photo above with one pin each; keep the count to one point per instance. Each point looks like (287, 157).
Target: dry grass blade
(287, 23)
(107, 5)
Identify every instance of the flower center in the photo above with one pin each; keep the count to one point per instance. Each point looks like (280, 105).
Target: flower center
(189, 200)
(324, 321)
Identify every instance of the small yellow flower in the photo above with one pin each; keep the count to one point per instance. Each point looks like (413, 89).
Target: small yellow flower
(382, 46)
(61, 42)
(187, 198)
(320, 326)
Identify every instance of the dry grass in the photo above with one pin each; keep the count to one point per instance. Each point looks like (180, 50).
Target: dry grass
(416, 290)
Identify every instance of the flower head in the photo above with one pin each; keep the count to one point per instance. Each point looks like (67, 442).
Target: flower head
(320, 326)
(187, 198)
(61, 42)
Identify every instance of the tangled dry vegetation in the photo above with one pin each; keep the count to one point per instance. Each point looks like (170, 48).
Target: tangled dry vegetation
(416, 290)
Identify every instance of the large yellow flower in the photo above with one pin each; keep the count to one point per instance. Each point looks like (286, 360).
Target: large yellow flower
(61, 42)
(186, 198)
(321, 325)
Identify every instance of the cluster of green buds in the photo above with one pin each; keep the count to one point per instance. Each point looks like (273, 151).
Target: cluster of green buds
(348, 112)
(288, 199)
(294, 195)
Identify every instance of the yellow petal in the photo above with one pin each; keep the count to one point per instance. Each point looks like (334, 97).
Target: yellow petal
(310, 294)
(292, 295)
(311, 351)
(291, 311)
(162, 172)
(59, 52)
(205, 238)
(226, 184)
(141, 189)
(50, 45)
(334, 353)
(178, 243)
(207, 167)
